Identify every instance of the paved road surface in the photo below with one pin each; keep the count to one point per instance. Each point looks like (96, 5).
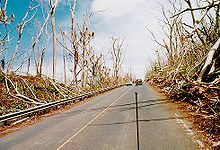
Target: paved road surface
(106, 123)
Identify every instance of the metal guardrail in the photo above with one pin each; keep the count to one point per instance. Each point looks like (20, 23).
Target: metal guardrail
(42, 107)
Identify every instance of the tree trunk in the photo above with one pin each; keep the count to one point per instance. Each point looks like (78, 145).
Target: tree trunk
(209, 66)
(64, 65)
(54, 37)
(74, 41)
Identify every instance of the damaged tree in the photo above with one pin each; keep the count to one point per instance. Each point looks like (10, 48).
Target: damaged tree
(117, 57)
(52, 13)
(74, 42)
(211, 68)
(20, 27)
(191, 69)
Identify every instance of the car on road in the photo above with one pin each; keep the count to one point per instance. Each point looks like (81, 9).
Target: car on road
(138, 82)
(129, 84)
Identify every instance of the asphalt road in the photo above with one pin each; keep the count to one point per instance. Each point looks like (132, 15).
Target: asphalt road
(107, 122)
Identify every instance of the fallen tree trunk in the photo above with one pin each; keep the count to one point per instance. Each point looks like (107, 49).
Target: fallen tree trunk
(211, 64)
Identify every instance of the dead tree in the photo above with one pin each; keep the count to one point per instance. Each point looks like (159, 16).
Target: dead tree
(53, 6)
(85, 44)
(97, 66)
(117, 56)
(37, 38)
(211, 68)
(44, 47)
(208, 34)
(74, 41)
(5, 21)
(18, 94)
(71, 40)
(64, 54)
(20, 27)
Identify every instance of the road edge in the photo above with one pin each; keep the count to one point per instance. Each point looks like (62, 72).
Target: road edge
(185, 123)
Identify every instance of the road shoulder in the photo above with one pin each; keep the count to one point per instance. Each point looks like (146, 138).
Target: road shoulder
(184, 117)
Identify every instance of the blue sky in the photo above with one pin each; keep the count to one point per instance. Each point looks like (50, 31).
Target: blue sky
(121, 18)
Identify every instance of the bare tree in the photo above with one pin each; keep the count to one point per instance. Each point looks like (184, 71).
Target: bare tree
(5, 35)
(20, 27)
(53, 6)
(71, 40)
(208, 34)
(41, 47)
(85, 44)
(117, 56)
(74, 41)
(211, 68)
(44, 48)
(64, 54)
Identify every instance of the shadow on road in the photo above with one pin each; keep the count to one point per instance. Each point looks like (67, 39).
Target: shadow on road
(141, 106)
(120, 107)
(134, 121)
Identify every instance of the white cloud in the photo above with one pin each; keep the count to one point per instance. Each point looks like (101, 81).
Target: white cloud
(116, 7)
(127, 19)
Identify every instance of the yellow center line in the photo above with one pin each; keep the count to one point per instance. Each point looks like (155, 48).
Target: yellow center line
(92, 121)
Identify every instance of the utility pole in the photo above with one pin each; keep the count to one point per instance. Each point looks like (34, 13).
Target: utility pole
(136, 101)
